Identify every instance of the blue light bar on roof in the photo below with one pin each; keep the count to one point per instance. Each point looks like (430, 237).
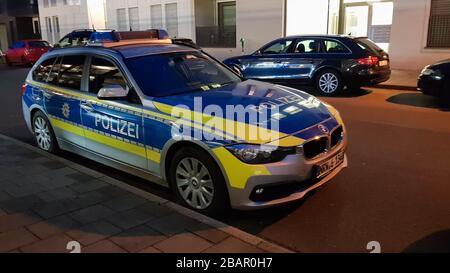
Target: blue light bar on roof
(98, 38)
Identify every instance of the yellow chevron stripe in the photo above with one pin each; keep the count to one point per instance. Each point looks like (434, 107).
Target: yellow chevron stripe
(238, 172)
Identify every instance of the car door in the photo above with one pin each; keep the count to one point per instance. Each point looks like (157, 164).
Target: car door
(268, 62)
(304, 58)
(62, 93)
(113, 128)
(15, 52)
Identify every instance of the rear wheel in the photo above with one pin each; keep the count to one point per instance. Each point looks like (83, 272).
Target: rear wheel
(43, 133)
(329, 83)
(198, 181)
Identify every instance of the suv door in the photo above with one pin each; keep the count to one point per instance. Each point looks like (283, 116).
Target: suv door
(305, 57)
(268, 62)
(62, 93)
(113, 128)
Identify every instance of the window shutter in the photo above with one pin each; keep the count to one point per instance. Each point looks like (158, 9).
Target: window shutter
(439, 25)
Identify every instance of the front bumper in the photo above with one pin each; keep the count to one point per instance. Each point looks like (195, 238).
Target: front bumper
(429, 85)
(294, 175)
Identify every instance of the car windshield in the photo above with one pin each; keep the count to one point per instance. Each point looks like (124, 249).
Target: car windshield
(174, 73)
(38, 44)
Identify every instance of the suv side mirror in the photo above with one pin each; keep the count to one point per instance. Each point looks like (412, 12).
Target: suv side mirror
(112, 92)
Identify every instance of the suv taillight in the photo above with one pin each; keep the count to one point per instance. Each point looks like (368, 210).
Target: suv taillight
(24, 88)
(371, 61)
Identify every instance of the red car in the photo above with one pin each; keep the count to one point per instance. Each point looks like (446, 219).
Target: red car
(26, 52)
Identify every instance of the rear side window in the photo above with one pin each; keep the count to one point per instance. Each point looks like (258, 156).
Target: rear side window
(306, 46)
(369, 46)
(335, 47)
(67, 72)
(38, 44)
(104, 73)
(40, 74)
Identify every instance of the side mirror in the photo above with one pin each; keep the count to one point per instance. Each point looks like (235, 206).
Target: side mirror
(112, 92)
(258, 53)
(56, 46)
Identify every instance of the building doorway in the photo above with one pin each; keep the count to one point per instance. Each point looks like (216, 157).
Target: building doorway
(3, 38)
(369, 18)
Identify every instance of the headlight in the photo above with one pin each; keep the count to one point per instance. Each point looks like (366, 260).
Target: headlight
(259, 154)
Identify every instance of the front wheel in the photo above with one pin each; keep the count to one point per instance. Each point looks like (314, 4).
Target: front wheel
(43, 133)
(329, 83)
(198, 181)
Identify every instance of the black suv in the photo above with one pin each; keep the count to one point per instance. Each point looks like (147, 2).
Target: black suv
(328, 62)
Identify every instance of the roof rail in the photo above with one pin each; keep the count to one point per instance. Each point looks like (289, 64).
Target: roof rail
(116, 38)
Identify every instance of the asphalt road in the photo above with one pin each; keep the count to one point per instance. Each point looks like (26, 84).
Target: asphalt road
(396, 190)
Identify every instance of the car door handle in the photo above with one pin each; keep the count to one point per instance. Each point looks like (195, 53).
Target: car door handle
(87, 106)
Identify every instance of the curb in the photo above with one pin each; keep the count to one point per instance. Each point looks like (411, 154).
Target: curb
(395, 87)
(232, 231)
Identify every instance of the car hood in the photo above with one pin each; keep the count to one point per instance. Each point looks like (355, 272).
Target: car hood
(287, 111)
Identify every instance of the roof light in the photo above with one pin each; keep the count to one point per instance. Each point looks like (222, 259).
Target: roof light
(112, 38)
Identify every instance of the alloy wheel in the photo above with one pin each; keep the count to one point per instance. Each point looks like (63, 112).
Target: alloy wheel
(194, 183)
(328, 83)
(42, 134)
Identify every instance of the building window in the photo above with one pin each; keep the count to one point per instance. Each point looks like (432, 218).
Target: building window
(56, 27)
(45, 3)
(156, 16)
(172, 19)
(216, 31)
(122, 20)
(133, 15)
(53, 3)
(438, 30)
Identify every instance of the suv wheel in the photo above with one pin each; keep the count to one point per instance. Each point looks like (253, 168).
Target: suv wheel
(198, 181)
(43, 133)
(329, 83)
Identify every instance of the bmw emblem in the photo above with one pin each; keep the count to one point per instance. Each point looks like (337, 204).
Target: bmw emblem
(323, 129)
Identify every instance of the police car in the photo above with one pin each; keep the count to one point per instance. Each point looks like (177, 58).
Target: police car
(156, 109)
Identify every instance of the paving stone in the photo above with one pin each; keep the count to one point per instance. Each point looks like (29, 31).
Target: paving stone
(57, 194)
(17, 220)
(50, 227)
(54, 244)
(2, 212)
(86, 186)
(15, 239)
(155, 209)
(93, 232)
(80, 177)
(137, 238)
(66, 171)
(17, 191)
(233, 245)
(172, 224)
(130, 218)
(4, 196)
(113, 191)
(21, 204)
(125, 202)
(183, 243)
(209, 233)
(91, 214)
(150, 249)
(53, 165)
(104, 246)
(91, 198)
(52, 209)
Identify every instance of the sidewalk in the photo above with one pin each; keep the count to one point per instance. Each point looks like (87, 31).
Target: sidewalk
(401, 80)
(47, 201)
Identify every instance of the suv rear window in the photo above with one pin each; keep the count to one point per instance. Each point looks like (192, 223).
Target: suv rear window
(38, 44)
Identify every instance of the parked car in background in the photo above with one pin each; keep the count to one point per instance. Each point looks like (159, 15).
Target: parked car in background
(26, 52)
(327, 62)
(434, 80)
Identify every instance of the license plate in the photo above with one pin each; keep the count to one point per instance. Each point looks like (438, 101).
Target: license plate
(331, 164)
(383, 63)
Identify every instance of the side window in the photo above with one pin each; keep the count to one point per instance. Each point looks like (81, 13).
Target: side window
(279, 47)
(307, 46)
(67, 72)
(104, 73)
(40, 74)
(335, 47)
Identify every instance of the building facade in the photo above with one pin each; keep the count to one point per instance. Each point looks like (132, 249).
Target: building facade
(18, 20)
(414, 32)
(59, 17)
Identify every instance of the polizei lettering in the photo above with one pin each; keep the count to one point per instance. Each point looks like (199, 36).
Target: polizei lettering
(117, 126)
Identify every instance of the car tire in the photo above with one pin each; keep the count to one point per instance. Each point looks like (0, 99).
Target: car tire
(329, 83)
(201, 188)
(43, 133)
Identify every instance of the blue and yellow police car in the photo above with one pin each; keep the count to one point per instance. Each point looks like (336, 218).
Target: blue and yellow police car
(174, 115)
